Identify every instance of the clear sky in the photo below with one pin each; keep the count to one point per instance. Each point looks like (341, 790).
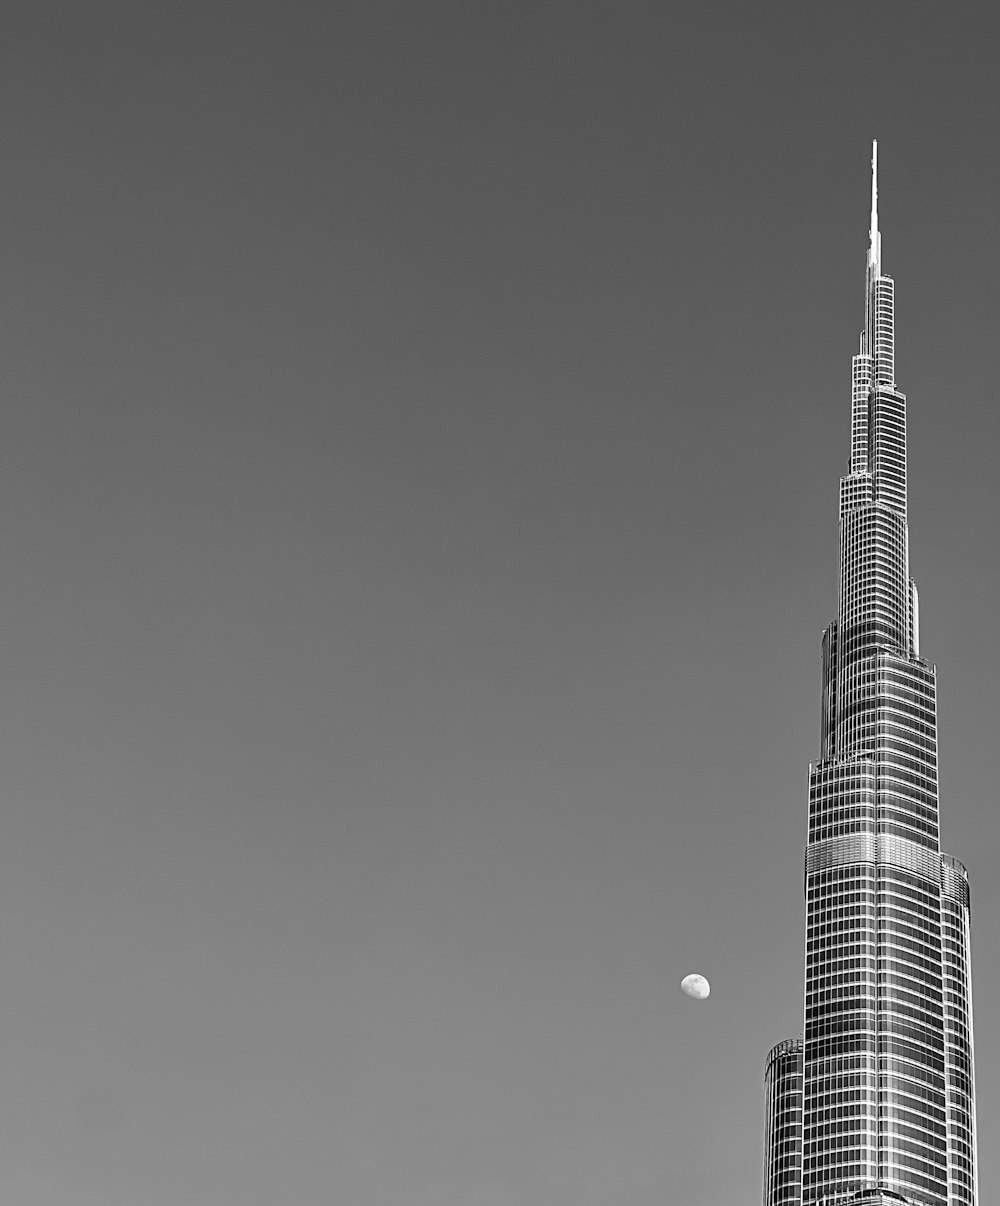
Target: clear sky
(420, 439)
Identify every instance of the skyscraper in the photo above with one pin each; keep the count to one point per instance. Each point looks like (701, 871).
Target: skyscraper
(875, 1101)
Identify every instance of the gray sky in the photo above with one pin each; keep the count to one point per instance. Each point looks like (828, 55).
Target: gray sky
(421, 435)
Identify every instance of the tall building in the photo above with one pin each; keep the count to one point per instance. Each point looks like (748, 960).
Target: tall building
(875, 1102)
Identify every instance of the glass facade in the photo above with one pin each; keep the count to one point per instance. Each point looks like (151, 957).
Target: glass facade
(875, 1103)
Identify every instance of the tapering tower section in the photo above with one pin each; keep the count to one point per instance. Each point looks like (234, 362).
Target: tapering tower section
(885, 1063)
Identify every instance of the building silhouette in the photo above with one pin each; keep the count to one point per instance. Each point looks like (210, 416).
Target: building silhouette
(875, 1102)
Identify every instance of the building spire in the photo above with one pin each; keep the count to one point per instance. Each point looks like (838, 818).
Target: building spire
(875, 239)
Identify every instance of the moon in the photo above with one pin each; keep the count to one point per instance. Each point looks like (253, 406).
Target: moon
(696, 986)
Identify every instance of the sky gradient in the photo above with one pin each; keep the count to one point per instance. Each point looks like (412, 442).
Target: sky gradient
(421, 435)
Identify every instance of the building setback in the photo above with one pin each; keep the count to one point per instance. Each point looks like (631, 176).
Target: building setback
(875, 1102)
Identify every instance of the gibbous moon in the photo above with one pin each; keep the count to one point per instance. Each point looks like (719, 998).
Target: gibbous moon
(696, 986)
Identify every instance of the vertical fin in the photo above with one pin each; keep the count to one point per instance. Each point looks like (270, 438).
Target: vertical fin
(875, 244)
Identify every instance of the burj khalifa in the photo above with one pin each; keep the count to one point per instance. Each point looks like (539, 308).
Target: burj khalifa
(874, 1102)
